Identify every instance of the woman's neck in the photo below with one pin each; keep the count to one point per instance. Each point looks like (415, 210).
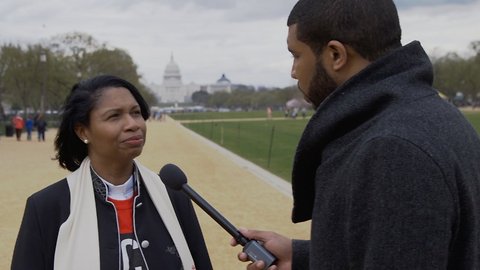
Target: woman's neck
(115, 174)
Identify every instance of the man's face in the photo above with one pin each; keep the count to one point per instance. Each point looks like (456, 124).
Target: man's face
(308, 69)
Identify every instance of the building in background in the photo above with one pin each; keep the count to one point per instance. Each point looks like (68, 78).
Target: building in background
(222, 85)
(172, 89)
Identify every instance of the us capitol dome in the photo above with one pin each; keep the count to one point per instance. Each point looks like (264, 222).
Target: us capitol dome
(172, 90)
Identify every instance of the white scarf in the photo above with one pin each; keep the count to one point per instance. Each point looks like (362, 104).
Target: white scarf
(78, 244)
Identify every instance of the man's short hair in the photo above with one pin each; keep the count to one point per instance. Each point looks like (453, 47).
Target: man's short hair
(370, 27)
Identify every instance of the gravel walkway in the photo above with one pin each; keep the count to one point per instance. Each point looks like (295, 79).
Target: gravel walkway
(245, 194)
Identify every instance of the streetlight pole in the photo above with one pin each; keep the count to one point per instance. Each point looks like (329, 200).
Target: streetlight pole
(43, 60)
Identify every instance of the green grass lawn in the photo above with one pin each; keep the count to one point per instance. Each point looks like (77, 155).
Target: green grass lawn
(223, 115)
(253, 140)
(269, 144)
(474, 119)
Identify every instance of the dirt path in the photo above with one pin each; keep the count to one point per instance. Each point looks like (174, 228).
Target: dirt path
(242, 193)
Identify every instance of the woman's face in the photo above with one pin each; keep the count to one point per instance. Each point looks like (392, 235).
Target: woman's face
(117, 130)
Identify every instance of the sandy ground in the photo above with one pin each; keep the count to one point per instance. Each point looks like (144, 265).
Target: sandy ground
(238, 192)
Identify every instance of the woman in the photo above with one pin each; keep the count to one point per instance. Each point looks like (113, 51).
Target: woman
(111, 212)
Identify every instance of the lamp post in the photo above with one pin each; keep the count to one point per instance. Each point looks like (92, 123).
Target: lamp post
(43, 60)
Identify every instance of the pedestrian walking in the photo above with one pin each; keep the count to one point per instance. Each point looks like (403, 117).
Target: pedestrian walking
(29, 127)
(18, 125)
(41, 125)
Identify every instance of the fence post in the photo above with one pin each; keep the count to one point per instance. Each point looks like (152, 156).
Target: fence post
(238, 132)
(221, 135)
(271, 145)
(211, 131)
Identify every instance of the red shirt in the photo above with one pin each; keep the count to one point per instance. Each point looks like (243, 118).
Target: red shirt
(17, 122)
(125, 214)
(130, 248)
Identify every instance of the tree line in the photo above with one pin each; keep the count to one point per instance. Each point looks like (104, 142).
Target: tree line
(454, 74)
(38, 77)
(247, 97)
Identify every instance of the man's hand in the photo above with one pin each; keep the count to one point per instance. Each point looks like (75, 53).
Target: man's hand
(278, 245)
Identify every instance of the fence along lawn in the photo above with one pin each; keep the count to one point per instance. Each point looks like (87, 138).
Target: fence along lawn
(268, 143)
(253, 140)
(224, 115)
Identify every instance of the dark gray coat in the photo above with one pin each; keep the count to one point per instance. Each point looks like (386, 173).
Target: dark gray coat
(389, 174)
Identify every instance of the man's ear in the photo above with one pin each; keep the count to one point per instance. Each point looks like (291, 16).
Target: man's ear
(336, 54)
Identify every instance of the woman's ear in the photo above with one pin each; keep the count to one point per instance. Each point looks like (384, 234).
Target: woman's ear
(80, 131)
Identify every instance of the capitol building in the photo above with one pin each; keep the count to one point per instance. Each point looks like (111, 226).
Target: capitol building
(172, 90)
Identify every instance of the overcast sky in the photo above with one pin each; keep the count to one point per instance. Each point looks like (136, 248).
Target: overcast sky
(245, 39)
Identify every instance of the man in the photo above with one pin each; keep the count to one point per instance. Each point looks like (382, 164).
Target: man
(387, 171)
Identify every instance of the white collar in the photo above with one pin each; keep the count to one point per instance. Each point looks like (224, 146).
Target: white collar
(120, 192)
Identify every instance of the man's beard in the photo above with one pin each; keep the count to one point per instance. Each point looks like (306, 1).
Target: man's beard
(321, 86)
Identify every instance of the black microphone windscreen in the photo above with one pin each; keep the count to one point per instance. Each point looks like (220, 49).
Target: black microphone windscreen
(172, 176)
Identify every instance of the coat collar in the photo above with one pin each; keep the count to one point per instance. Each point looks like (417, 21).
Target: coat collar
(378, 88)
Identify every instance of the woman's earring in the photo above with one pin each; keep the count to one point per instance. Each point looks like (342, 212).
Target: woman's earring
(85, 141)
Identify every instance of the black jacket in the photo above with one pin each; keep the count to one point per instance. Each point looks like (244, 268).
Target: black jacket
(47, 209)
(389, 174)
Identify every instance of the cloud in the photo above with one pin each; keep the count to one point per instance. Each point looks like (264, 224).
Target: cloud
(246, 39)
(442, 28)
(208, 4)
(428, 3)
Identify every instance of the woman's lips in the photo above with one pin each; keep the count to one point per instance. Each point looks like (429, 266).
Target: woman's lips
(135, 140)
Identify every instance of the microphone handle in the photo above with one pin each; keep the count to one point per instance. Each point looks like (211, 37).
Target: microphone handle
(222, 221)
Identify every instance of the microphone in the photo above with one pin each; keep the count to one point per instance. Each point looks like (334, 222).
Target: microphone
(173, 177)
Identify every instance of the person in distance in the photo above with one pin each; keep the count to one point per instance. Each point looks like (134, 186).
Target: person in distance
(110, 212)
(386, 170)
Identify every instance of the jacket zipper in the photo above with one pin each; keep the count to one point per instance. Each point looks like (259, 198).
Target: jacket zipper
(118, 229)
(137, 185)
